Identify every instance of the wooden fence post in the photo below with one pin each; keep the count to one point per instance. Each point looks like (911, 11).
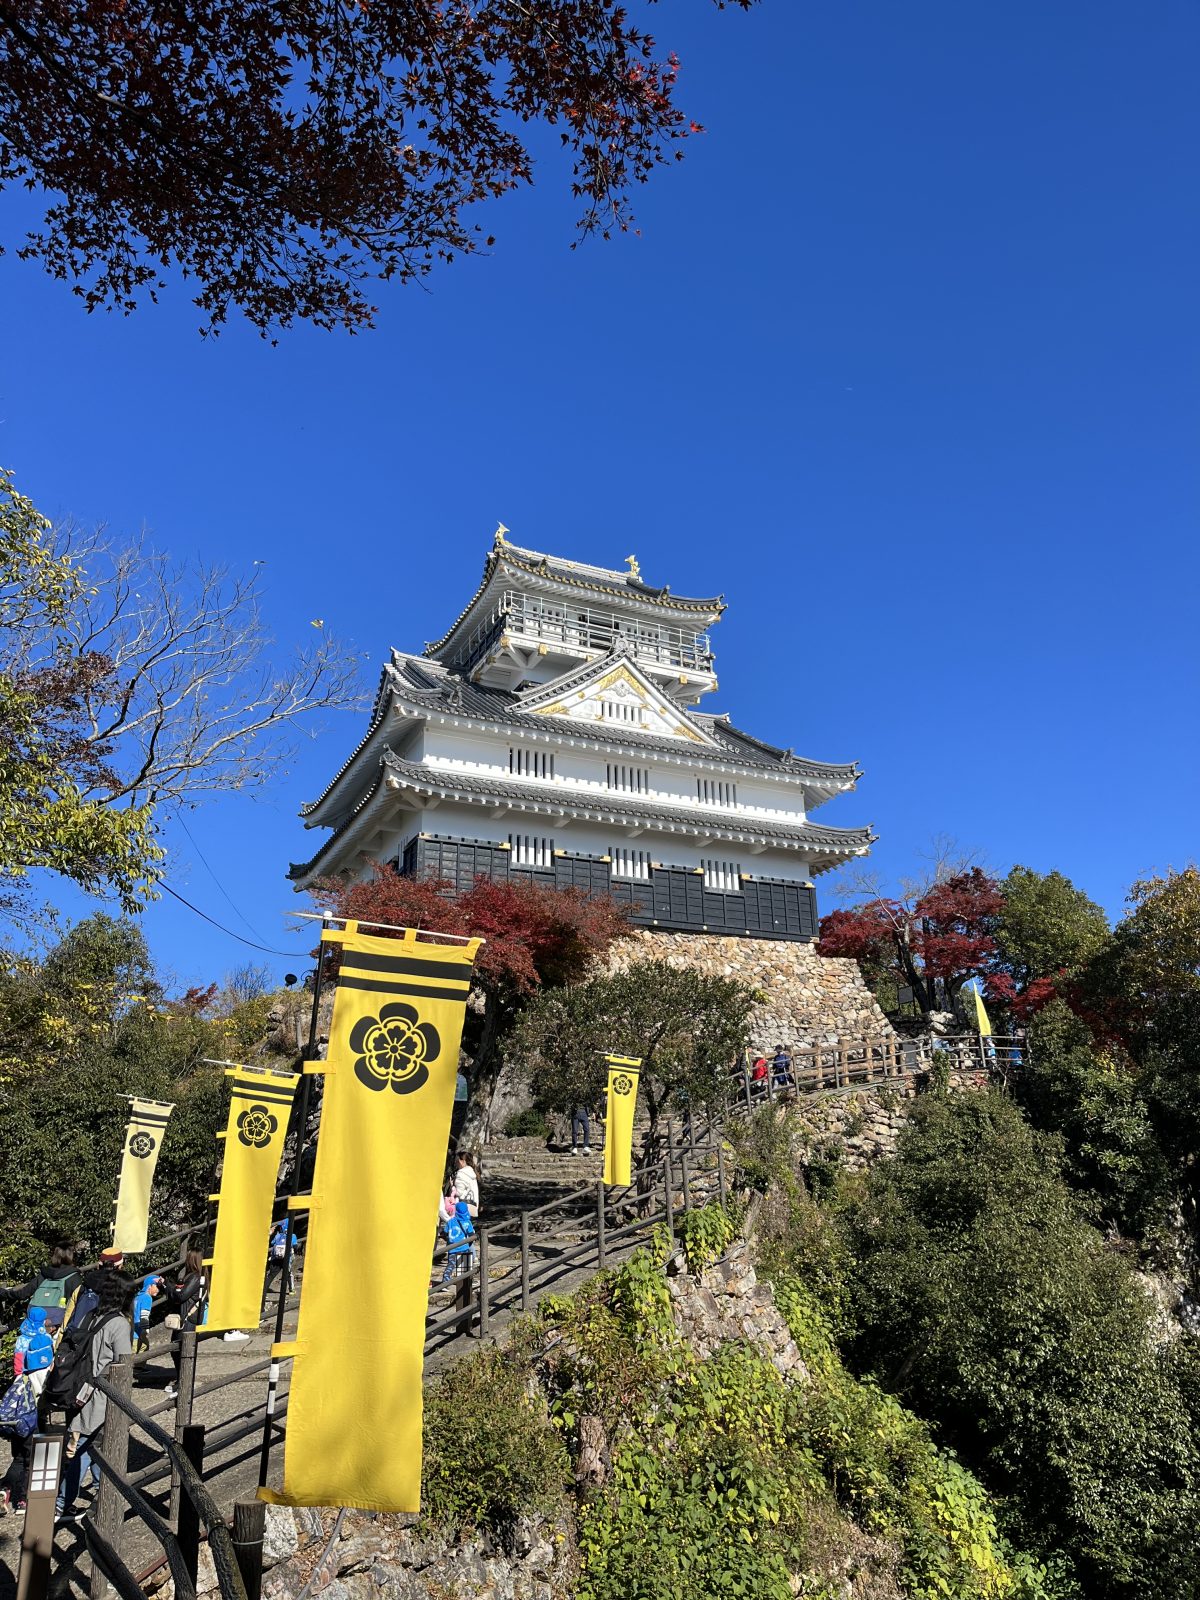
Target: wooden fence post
(721, 1172)
(484, 1253)
(110, 1506)
(667, 1186)
(186, 1384)
(600, 1241)
(687, 1191)
(249, 1525)
(188, 1533)
(524, 1261)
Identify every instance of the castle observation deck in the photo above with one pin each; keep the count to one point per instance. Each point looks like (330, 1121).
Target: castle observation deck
(552, 734)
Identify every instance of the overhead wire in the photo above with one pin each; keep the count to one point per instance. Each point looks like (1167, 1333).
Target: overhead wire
(292, 955)
(242, 918)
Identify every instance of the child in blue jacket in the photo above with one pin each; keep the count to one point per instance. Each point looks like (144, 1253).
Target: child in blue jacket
(460, 1234)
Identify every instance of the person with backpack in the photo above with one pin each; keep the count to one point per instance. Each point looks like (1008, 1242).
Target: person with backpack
(91, 1342)
(186, 1296)
(51, 1287)
(19, 1407)
(466, 1183)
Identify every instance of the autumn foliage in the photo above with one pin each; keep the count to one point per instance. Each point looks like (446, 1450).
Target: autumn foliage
(282, 155)
(935, 942)
(534, 937)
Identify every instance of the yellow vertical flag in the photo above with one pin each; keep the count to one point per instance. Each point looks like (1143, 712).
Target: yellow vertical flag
(354, 1406)
(982, 1021)
(260, 1104)
(143, 1140)
(618, 1127)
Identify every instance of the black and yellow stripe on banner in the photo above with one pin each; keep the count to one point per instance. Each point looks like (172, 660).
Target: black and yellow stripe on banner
(143, 1140)
(260, 1104)
(354, 1406)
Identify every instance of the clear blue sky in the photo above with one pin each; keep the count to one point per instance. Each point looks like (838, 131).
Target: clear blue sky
(905, 363)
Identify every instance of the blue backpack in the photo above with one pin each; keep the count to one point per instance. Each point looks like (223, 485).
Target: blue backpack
(18, 1409)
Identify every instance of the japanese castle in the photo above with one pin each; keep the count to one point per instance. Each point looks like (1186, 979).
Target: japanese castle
(552, 734)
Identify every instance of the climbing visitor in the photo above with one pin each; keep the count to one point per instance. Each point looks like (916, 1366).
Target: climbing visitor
(277, 1253)
(781, 1069)
(186, 1297)
(105, 1336)
(143, 1304)
(51, 1286)
(579, 1122)
(460, 1235)
(466, 1183)
(32, 1360)
(758, 1077)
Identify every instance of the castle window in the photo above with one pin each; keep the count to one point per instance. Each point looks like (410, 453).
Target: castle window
(724, 877)
(531, 850)
(628, 780)
(626, 711)
(715, 792)
(530, 763)
(630, 863)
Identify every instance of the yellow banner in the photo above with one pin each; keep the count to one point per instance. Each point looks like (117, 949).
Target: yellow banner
(354, 1407)
(143, 1140)
(618, 1128)
(982, 1021)
(259, 1107)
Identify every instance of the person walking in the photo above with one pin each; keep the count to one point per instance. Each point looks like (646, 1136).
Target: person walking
(187, 1296)
(32, 1361)
(277, 1252)
(51, 1286)
(112, 1339)
(460, 1235)
(580, 1122)
(466, 1183)
(781, 1069)
(143, 1304)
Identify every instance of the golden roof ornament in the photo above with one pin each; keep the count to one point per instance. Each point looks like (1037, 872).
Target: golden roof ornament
(498, 538)
(634, 570)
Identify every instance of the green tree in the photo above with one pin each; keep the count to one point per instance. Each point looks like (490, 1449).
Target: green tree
(81, 1028)
(1046, 926)
(687, 1028)
(1144, 986)
(983, 1299)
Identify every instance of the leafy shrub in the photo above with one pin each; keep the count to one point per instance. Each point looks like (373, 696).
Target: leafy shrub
(983, 1299)
(529, 1123)
(491, 1454)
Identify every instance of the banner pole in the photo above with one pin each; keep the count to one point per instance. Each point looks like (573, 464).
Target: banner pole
(302, 1102)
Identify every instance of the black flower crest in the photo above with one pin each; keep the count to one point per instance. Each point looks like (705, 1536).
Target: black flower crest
(622, 1083)
(255, 1127)
(394, 1048)
(141, 1145)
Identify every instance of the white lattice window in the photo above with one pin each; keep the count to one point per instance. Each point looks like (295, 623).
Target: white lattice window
(629, 780)
(624, 711)
(628, 863)
(530, 763)
(716, 792)
(531, 850)
(723, 876)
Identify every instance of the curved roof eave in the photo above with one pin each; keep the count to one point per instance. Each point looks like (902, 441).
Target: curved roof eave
(814, 839)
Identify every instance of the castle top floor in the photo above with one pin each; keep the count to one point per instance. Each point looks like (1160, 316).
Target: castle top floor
(534, 617)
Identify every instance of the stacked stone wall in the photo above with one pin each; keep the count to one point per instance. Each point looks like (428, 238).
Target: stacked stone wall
(808, 999)
(863, 1125)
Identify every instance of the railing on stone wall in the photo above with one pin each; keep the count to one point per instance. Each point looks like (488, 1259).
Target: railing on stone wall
(851, 1063)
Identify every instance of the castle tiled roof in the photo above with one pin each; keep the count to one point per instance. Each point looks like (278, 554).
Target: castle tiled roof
(826, 847)
(627, 585)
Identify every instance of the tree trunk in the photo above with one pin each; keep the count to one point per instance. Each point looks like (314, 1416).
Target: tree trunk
(483, 1041)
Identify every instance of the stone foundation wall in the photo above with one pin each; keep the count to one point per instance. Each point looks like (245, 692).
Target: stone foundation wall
(810, 999)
